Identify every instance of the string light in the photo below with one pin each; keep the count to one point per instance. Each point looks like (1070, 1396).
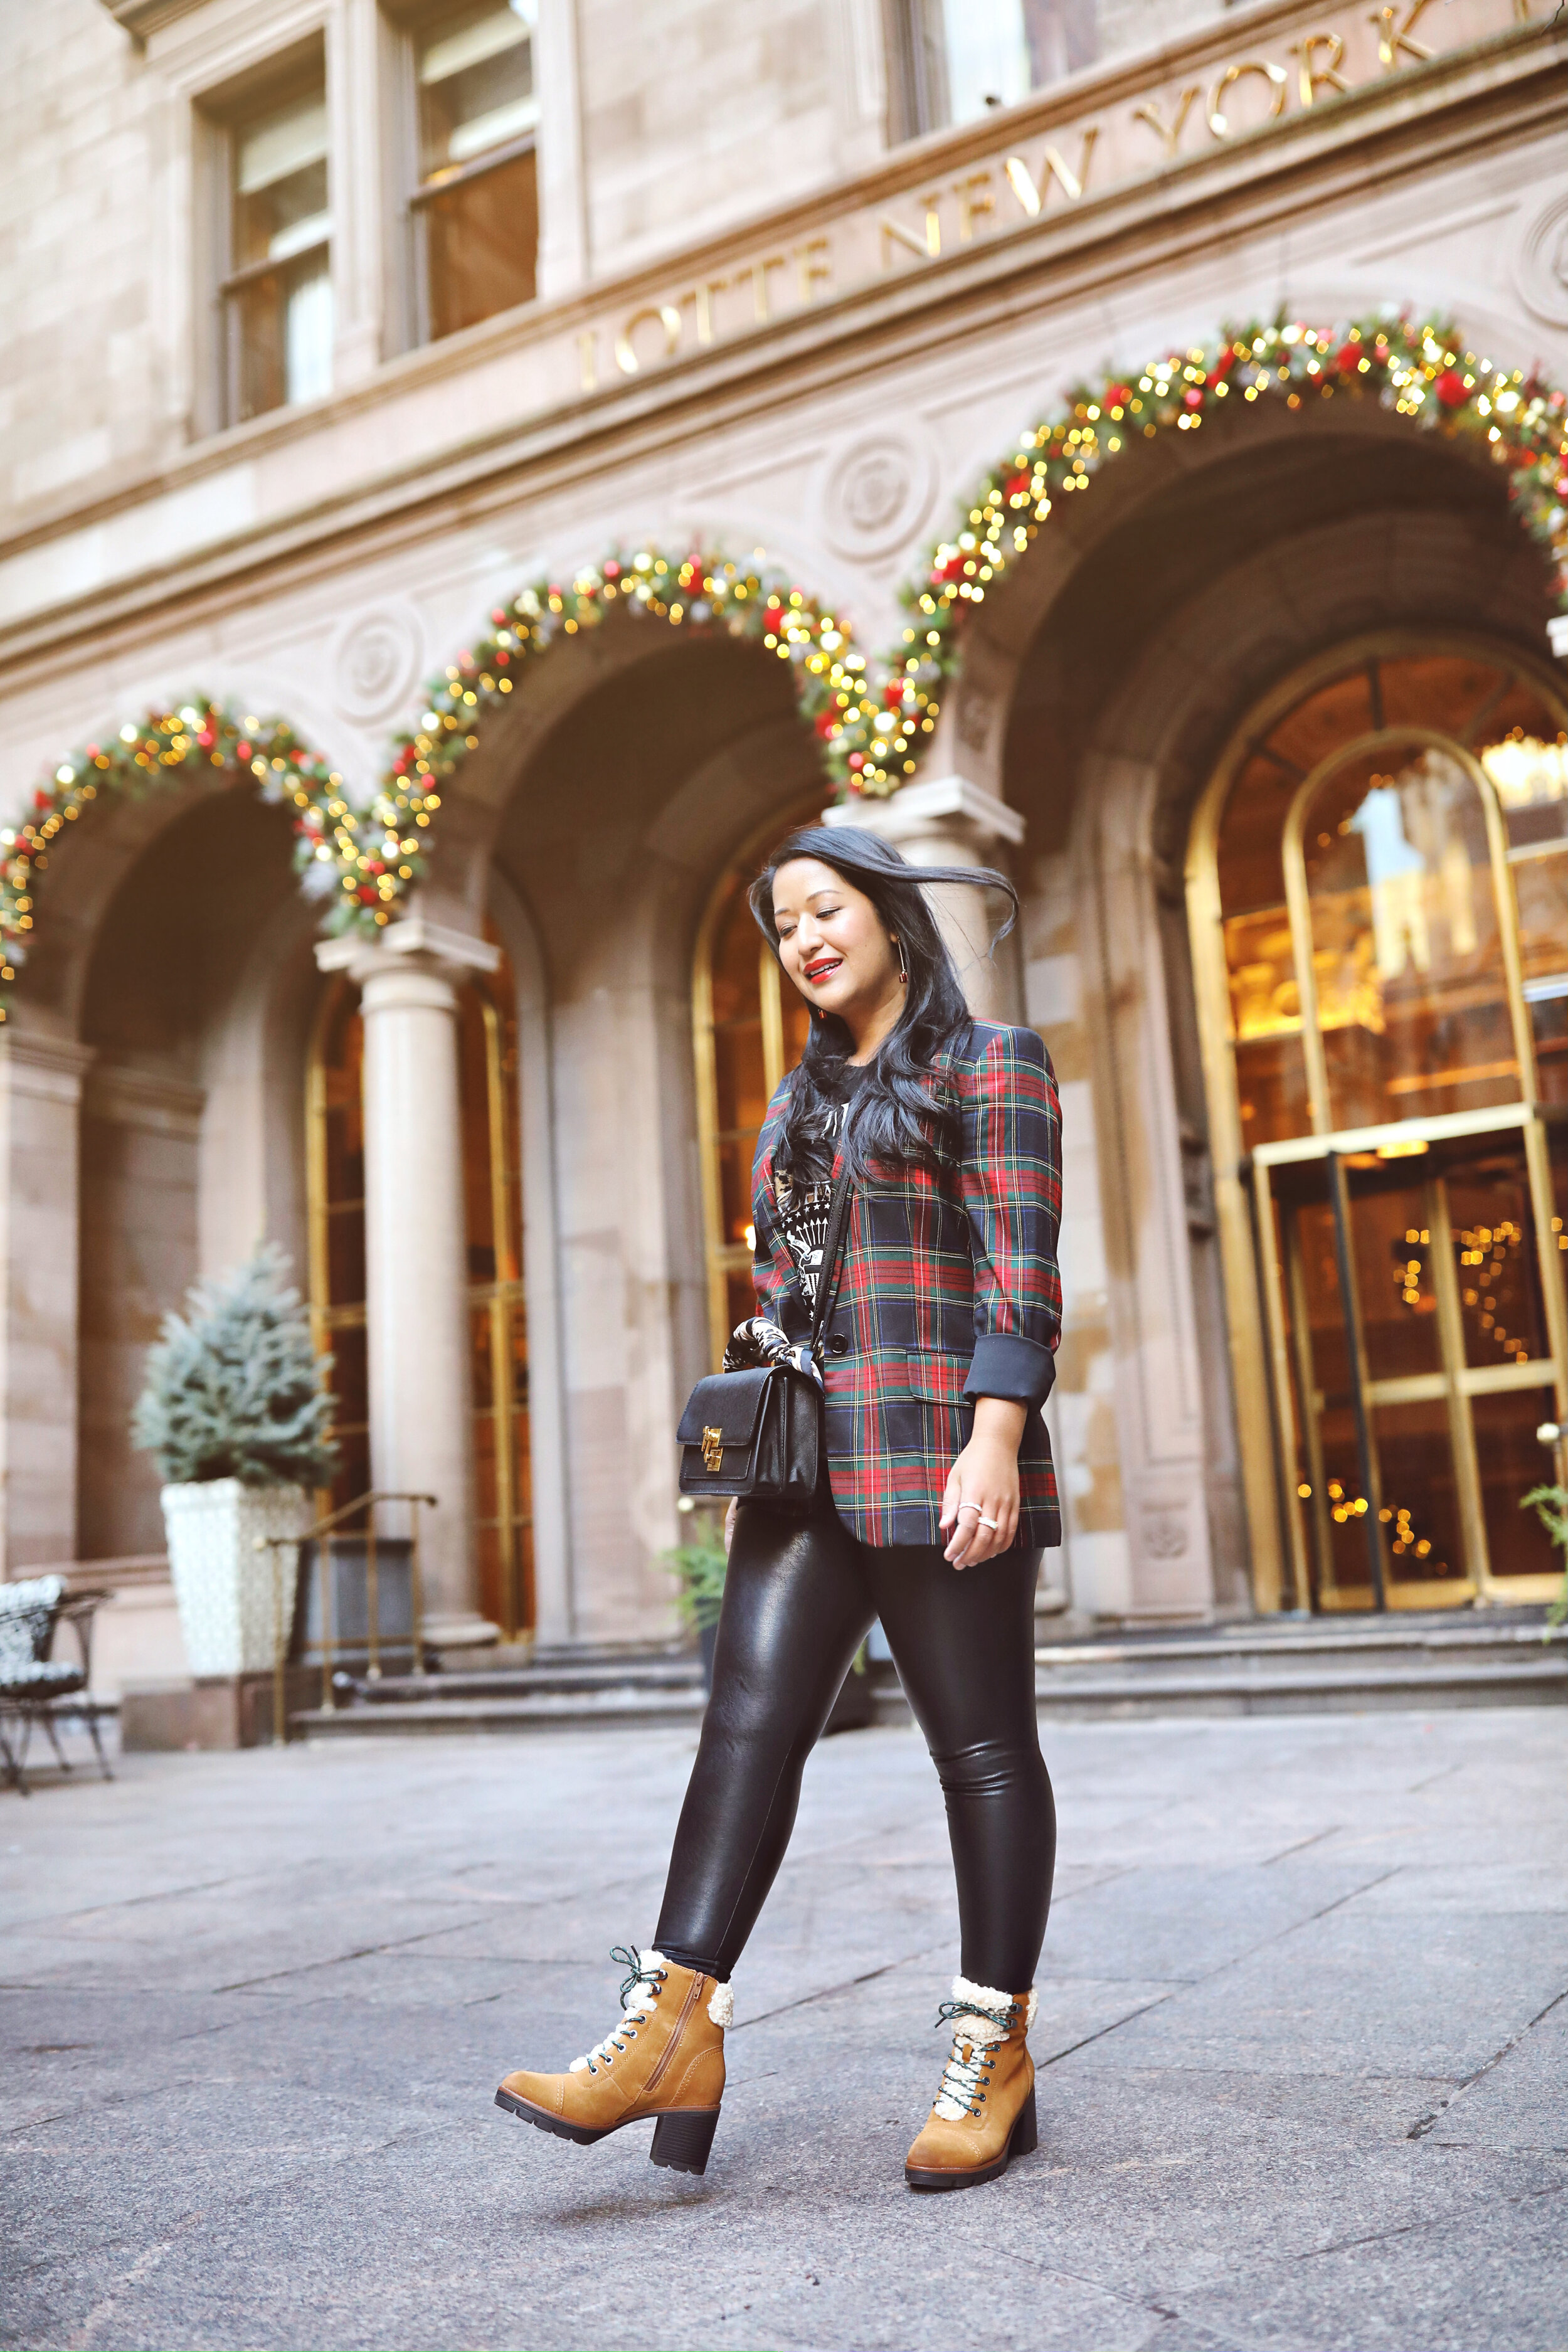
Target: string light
(1421, 371)
(873, 720)
(197, 741)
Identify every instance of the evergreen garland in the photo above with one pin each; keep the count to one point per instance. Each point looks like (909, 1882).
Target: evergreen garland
(874, 718)
(235, 1391)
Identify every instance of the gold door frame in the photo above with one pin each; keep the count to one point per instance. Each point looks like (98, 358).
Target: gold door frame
(1255, 1283)
(497, 1300)
(325, 1318)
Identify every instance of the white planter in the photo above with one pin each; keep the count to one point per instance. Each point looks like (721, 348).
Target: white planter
(232, 1596)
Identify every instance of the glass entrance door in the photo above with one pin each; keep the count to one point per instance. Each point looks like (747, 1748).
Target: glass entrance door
(1378, 886)
(1408, 1302)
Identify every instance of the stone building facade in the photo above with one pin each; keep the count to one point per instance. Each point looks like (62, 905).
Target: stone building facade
(337, 323)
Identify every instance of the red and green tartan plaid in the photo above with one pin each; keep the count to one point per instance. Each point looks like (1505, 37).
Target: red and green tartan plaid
(949, 1290)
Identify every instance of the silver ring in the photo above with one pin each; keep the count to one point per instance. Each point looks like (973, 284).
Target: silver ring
(992, 1524)
(970, 1507)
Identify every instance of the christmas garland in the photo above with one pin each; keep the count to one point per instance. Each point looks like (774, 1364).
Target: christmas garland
(704, 592)
(200, 740)
(1421, 372)
(873, 720)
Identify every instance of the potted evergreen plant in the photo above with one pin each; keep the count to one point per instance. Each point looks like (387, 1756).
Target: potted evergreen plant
(233, 1411)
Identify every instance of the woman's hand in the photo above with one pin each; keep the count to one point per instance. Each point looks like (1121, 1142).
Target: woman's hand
(984, 1485)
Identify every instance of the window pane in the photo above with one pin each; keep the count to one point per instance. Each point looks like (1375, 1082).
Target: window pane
(1512, 1460)
(281, 180)
(971, 55)
(1265, 1000)
(1393, 1243)
(1497, 1264)
(1423, 1538)
(282, 324)
(1405, 947)
(482, 244)
(476, 83)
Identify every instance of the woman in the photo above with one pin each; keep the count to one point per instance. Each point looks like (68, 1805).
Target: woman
(937, 1355)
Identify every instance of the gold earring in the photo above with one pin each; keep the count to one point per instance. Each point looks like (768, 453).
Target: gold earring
(903, 967)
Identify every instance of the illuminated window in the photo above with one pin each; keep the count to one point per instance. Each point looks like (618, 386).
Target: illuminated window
(1378, 884)
(475, 206)
(278, 292)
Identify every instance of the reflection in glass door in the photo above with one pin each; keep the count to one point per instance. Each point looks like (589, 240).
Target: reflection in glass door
(1378, 887)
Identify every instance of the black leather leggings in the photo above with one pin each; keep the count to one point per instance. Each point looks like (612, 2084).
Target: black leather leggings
(798, 1600)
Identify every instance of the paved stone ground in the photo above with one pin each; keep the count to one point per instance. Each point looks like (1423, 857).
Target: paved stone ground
(1303, 2040)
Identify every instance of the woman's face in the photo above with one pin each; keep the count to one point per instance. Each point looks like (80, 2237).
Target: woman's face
(833, 944)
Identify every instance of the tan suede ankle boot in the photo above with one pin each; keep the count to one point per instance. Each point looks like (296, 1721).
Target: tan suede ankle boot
(666, 2059)
(984, 2111)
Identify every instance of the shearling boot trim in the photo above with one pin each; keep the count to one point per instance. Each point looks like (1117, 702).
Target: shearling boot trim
(722, 2008)
(971, 2002)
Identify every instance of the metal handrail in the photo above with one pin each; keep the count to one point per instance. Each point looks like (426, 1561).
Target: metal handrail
(324, 1528)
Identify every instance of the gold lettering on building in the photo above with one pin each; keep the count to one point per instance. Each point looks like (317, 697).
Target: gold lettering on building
(758, 273)
(1250, 94)
(1311, 75)
(1032, 193)
(1276, 76)
(895, 233)
(811, 272)
(701, 300)
(669, 317)
(974, 198)
(1150, 113)
(1393, 37)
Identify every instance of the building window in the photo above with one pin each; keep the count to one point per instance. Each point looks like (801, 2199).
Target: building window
(954, 59)
(476, 207)
(278, 294)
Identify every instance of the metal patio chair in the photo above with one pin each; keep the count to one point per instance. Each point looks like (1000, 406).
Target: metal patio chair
(35, 1688)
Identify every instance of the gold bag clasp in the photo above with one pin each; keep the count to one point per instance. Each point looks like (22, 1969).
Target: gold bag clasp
(712, 1449)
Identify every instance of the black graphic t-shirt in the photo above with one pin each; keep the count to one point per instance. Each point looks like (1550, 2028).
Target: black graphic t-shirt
(804, 1198)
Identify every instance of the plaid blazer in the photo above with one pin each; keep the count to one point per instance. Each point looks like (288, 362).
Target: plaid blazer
(949, 1290)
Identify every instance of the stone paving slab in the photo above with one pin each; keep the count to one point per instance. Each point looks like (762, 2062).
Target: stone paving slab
(1303, 2042)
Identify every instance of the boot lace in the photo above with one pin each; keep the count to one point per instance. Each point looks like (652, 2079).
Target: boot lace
(636, 2008)
(962, 2078)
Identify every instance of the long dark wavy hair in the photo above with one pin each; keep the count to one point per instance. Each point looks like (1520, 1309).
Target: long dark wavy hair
(894, 1114)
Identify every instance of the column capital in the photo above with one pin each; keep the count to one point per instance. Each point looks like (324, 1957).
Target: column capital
(441, 951)
(932, 811)
(38, 1061)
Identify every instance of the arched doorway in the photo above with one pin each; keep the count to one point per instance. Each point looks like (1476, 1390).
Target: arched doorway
(1377, 886)
(498, 1321)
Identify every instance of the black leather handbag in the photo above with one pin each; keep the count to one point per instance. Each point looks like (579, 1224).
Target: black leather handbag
(758, 1434)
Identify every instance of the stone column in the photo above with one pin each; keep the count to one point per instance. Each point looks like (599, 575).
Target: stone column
(952, 821)
(417, 1276)
(40, 1101)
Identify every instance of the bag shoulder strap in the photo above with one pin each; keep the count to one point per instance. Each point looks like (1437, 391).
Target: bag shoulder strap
(832, 1251)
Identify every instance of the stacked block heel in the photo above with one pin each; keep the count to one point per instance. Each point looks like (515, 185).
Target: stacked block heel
(681, 2142)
